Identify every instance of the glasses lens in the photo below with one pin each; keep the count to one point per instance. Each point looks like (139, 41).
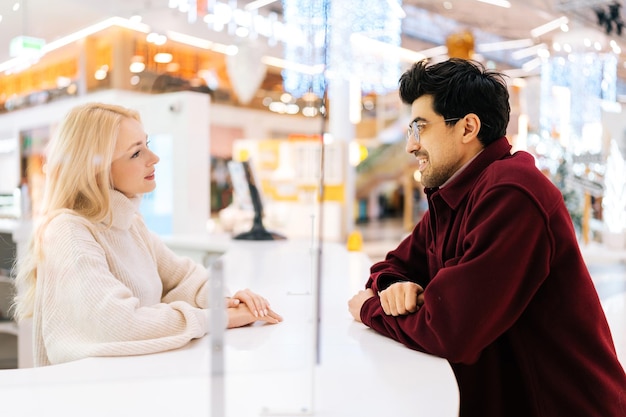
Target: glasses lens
(414, 132)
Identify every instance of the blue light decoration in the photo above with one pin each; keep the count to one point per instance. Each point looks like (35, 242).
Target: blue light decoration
(324, 35)
(375, 61)
(590, 78)
(305, 44)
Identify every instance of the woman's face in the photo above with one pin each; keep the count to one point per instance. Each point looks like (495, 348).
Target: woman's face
(132, 169)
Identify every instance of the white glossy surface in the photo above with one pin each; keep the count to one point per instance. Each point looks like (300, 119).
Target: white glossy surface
(202, 248)
(270, 370)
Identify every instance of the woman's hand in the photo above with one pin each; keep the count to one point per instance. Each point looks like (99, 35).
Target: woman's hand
(242, 316)
(246, 307)
(257, 304)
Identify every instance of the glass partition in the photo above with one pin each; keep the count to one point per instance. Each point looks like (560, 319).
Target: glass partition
(259, 370)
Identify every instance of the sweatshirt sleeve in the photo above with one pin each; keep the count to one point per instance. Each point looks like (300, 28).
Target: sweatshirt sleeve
(405, 263)
(86, 311)
(474, 298)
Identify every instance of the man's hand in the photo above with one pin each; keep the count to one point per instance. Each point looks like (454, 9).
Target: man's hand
(402, 298)
(356, 302)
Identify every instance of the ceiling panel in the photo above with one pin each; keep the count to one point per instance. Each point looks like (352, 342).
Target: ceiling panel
(51, 19)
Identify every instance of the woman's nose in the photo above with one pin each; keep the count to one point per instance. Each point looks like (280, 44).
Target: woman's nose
(155, 158)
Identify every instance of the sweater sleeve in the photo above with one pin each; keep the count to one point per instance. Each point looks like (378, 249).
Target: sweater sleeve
(86, 311)
(183, 279)
(474, 298)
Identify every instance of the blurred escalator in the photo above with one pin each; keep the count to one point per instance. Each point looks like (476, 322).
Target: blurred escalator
(387, 162)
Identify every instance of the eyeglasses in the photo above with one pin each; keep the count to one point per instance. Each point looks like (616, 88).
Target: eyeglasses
(415, 128)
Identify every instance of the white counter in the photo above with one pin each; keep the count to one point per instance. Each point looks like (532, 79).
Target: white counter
(269, 370)
(203, 248)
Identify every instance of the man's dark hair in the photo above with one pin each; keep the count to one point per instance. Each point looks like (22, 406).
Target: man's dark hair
(459, 87)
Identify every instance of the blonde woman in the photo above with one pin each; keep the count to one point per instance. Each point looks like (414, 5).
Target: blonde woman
(95, 280)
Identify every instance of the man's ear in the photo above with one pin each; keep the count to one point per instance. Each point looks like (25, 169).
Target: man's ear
(472, 127)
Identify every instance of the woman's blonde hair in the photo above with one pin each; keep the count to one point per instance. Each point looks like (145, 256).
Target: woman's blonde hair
(77, 180)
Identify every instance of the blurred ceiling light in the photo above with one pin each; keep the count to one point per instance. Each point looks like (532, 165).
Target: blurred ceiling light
(433, 52)
(281, 63)
(526, 52)
(499, 46)
(21, 63)
(257, 4)
(278, 107)
(384, 49)
(548, 27)
(163, 58)
(101, 73)
(242, 32)
(190, 40)
(292, 108)
(156, 39)
(532, 64)
(500, 3)
(309, 111)
(137, 67)
(63, 82)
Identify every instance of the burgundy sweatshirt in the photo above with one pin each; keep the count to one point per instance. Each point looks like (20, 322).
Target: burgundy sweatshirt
(508, 299)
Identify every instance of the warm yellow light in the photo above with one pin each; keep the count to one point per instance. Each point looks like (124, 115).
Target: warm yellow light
(356, 153)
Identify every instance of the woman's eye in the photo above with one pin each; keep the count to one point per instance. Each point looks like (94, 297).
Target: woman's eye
(135, 155)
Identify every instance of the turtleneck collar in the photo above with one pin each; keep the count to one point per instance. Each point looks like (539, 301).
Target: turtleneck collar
(123, 209)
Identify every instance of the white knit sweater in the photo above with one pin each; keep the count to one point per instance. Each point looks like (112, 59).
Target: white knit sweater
(114, 291)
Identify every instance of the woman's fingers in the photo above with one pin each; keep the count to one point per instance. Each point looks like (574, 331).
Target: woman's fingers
(258, 305)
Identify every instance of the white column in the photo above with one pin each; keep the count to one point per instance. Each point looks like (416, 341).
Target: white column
(339, 125)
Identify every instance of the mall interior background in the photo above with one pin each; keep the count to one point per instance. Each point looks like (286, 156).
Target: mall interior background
(270, 81)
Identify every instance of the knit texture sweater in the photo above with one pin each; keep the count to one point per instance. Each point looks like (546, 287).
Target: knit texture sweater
(114, 289)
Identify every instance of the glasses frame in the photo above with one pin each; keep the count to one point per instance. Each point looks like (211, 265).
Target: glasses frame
(415, 127)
